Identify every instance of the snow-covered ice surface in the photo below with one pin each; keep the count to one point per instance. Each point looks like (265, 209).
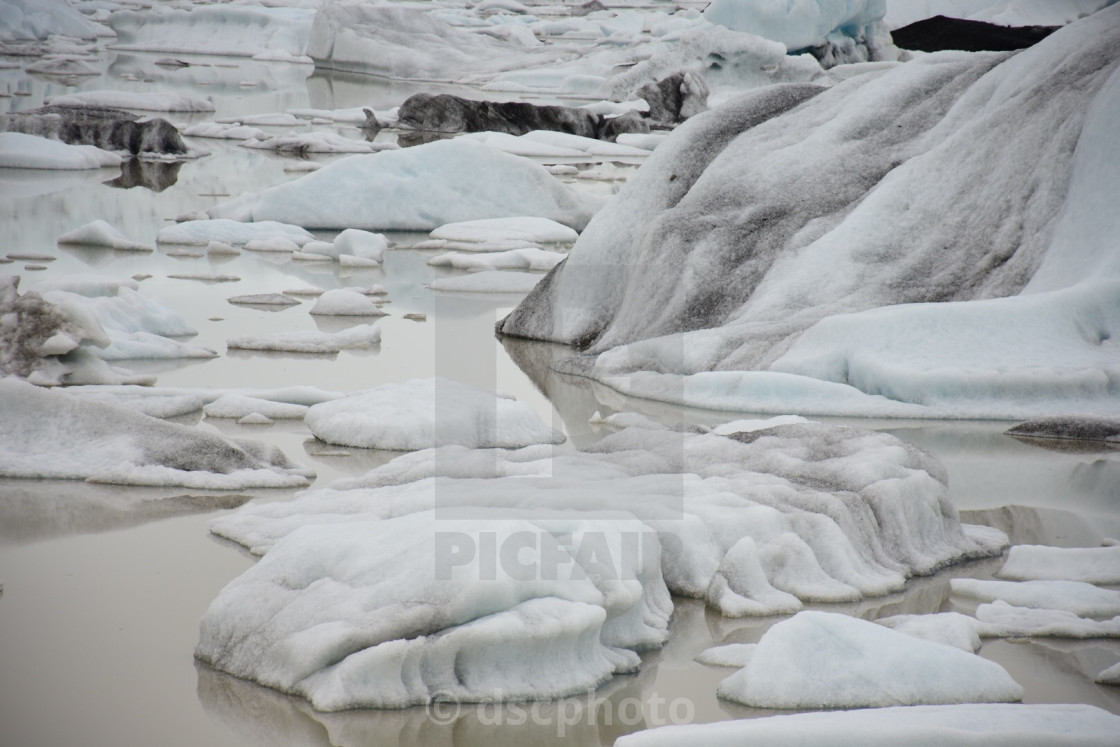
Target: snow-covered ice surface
(86, 567)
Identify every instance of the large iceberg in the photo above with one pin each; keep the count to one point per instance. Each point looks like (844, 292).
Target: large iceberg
(424, 578)
(417, 189)
(958, 203)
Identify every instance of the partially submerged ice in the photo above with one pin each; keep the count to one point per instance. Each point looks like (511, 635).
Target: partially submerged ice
(828, 660)
(50, 434)
(474, 574)
(958, 201)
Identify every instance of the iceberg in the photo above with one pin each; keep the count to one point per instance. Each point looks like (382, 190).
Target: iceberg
(834, 513)
(22, 151)
(971, 269)
(416, 189)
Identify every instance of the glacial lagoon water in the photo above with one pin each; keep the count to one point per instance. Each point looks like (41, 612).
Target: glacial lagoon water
(103, 586)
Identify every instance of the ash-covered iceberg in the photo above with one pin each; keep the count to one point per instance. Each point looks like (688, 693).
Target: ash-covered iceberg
(478, 574)
(932, 240)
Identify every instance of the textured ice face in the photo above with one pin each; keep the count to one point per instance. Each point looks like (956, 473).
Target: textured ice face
(965, 275)
(372, 590)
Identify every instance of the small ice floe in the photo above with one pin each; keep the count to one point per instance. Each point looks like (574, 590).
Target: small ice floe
(20, 151)
(730, 655)
(270, 119)
(222, 131)
(100, 233)
(202, 232)
(149, 101)
(316, 142)
(310, 341)
(205, 277)
(514, 259)
(1110, 676)
(1077, 597)
(255, 418)
(423, 413)
(241, 405)
(490, 281)
(264, 299)
(827, 660)
(1094, 565)
(1002, 620)
(345, 302)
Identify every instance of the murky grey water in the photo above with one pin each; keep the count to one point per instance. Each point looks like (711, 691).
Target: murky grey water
(103, 587)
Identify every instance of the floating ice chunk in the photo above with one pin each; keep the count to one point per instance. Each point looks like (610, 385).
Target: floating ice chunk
(316, 142)
(1003, 620)
(20, 151)
(1094, 565)
(418, 188)
(731, 655)
(50, 434)
(345, 302)
(347, 260)
(423, 413)
(224, 131)
(1110, 676)
(1000, 725)
(272, 244)
(149, 101)
(749, 426)
(310, 341)
(265, 299)
(826, 660)
(195, 232)
(255, 418)
(240, 405)
(537, 230)
(102, 233)
(270, 119)
(514, 259)
(489, 281)
(950, 628)
(1074, 429)
(1077, 597)
(362, 244)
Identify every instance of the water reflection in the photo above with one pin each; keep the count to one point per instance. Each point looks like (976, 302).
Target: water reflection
(262, 716)
(37, 510)
(154, 175)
